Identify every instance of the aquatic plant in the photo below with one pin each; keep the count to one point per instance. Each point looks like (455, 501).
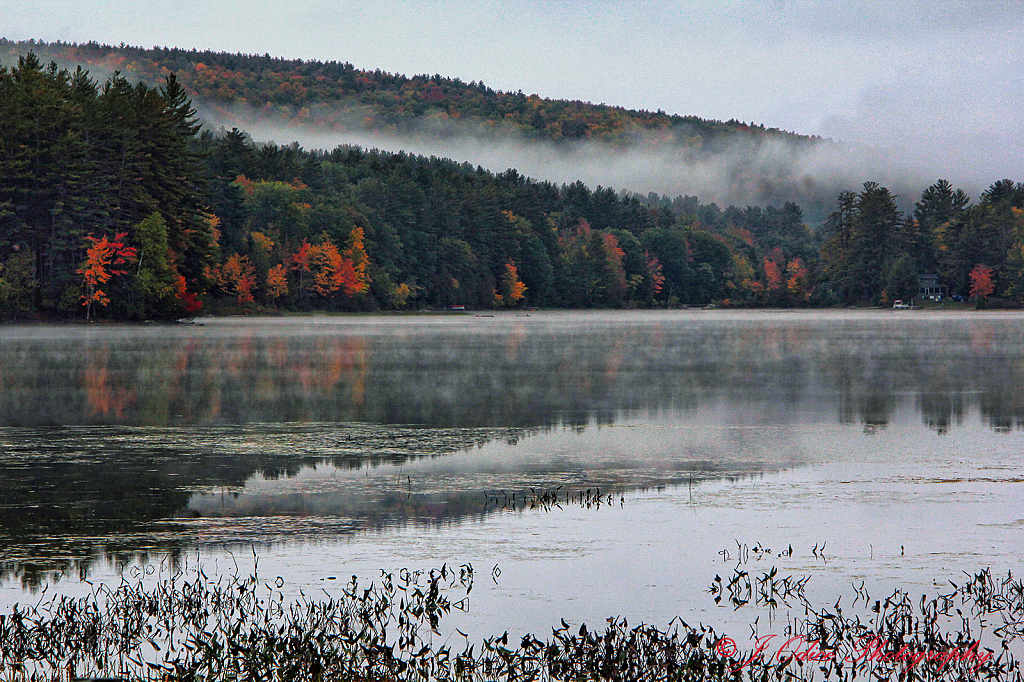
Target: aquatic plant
(546, 500)
(953, 636)
(191, 627)
(769, 589)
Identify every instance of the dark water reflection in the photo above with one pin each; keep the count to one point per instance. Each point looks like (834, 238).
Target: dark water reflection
(72, 492)
(512, 371)
(118, 441)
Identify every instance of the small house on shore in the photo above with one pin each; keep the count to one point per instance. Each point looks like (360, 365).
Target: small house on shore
(929, 287)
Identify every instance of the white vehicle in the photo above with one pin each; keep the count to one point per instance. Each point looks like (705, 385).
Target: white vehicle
(900, 305)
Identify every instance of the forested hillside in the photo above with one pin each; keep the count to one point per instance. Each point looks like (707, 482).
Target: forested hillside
(337, 95)
(114, 204)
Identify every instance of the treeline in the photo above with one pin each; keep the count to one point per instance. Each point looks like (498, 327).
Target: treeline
(113, 203)
(435, 233)
(335, 94)
(84, 171)
(874, 253)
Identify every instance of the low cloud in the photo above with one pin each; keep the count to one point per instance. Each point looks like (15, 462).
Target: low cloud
(746, 172)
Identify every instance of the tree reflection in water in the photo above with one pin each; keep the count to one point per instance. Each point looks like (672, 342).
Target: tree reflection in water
(109, 434)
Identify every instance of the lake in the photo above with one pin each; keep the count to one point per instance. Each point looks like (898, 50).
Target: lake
(874, 448)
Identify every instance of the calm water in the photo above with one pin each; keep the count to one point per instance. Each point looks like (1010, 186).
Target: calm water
(339, 446)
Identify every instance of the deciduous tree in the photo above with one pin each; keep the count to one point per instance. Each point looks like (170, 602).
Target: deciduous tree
(511, 291)
(981, 282)
(104, 260)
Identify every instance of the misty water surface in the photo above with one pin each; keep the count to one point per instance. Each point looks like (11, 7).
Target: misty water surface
(341, 445)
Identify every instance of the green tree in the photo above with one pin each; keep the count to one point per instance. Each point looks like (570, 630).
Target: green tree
(900, 278)
(670, 247)
(837, 251)
(154, 274)
(939, 205)
(17, 281)
(864, 237)
(580, 281)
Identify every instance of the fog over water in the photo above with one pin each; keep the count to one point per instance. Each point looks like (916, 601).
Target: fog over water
(343, 445)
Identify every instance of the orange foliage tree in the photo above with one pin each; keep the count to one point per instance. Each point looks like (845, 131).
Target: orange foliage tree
(512, 290)
(981, 281)
(328, 268)
(236, 276)
(333, 270)
(277, 282)
(102, 262)
(355, 280)
(796, 273)
(655, 274)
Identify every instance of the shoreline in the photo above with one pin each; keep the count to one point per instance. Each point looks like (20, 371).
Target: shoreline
(501, 313)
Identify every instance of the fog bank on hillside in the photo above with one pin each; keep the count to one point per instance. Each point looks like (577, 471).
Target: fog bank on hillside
(745, 172)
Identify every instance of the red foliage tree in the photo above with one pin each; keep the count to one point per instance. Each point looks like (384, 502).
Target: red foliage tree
(299, 261)
(189, 301)
(773, 274)
(102, 262)
(981, 281)
(654, 272)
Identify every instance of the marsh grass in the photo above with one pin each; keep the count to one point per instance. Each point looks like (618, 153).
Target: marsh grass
(968, 632)
(192, 627)
(549, 499)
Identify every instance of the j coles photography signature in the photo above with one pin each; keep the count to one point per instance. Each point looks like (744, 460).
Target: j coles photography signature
(868, 649)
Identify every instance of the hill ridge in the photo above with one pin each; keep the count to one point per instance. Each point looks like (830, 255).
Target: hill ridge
(338, 95)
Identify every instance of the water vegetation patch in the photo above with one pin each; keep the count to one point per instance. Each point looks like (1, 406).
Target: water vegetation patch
(193, 627)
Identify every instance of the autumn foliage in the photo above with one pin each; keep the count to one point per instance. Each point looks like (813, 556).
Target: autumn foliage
(104, 260)
(981, 281)
(236, 277)
(336, 94)
(796, 276)
(654, 272)
(214, 220)
(190, 303)
(773, 275)
(512, 290)
(277, 282)
(329, 269)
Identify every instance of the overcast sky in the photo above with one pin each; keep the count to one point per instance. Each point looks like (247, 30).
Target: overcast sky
(945, 77)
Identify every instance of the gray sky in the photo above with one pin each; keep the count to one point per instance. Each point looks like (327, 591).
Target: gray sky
(944, 77)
